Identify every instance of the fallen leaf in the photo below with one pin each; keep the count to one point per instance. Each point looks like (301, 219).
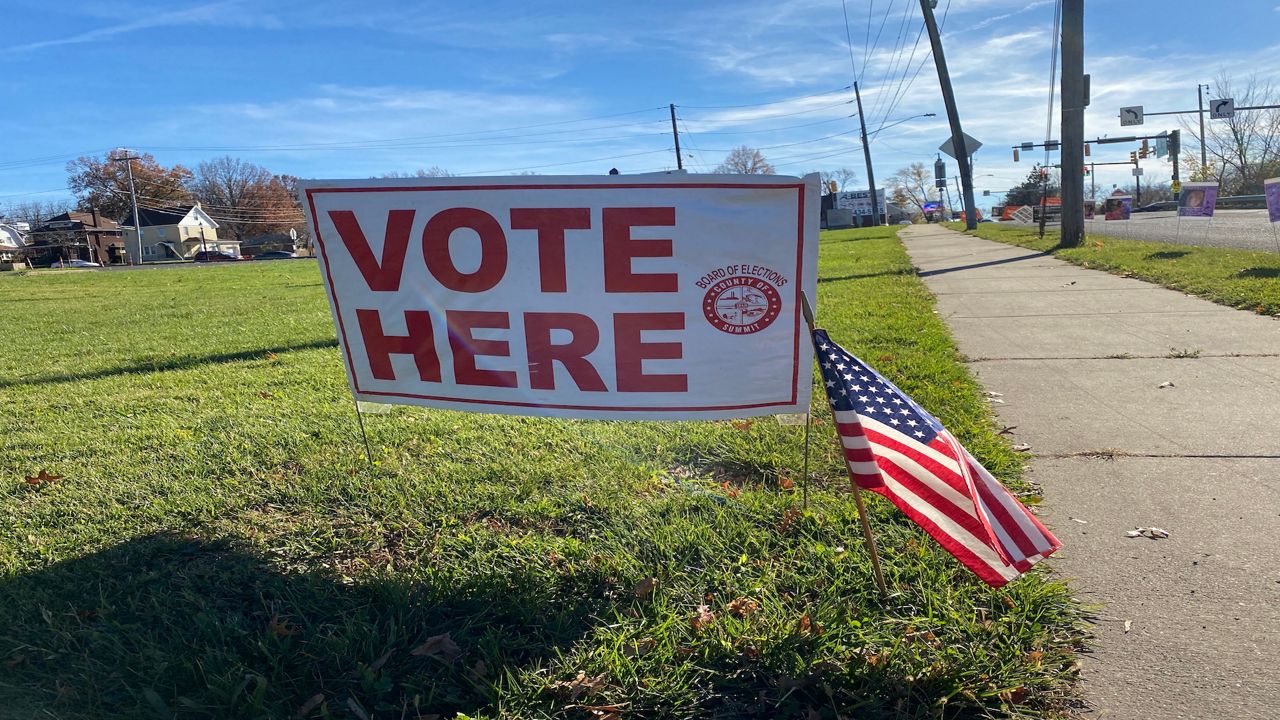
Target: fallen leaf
(1007, 602)
(1007, 430)
(311, 704)
(993, 394)
(1022, 447)
(702, 618)
(1148, 532)
(377, 664)
(441, 647)
(743, 607)
(1127, 624)
(639, 648)
(1165, 384)
(280, 628)
(743, 425)
(42, 478)
(579, 686)
(354, 706)
(272, 356)
(729, 490)
(480, 669)
(265, 395)
(807, 626)
(1082, 522)
(644, 588)
(788, 517)
(785, 482)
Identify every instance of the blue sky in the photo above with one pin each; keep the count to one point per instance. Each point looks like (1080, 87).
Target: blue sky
(343, 89)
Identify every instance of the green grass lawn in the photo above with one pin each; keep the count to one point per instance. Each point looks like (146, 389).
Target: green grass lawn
(1240, 278)
(216, 547)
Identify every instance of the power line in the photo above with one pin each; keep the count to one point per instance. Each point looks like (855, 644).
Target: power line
(763, 104)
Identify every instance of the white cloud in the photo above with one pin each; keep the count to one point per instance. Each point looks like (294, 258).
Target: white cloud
(227, 12)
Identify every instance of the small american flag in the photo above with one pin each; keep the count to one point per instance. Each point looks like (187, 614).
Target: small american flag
(897, 449)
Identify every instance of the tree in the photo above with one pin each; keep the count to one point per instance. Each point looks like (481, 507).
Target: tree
(33, 212)
(104, 183)
(743, 160)
(244, 198)
(1243, 150)
(843, 178)
(1029, 191)
(433, 171)
(912, 186)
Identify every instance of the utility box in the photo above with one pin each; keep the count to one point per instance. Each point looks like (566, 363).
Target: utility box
(839, 217)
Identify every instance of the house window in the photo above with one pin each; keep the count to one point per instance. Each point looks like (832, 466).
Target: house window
(160, 232)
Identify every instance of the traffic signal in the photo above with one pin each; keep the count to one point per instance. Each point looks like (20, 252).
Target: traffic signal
(1145, 151)
(1086, 171)
(1133, 156)
(1087, 151)
(1015, 155)
(831, 187)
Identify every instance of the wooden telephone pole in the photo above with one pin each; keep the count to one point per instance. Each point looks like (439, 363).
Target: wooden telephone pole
(953, 115)
(1073, 102)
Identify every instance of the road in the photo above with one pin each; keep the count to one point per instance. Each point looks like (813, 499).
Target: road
(1246, 229)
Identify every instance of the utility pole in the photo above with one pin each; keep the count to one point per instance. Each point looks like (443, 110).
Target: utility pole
(676, 134)
(1204, 159)
(953, 115)
(1073, 101)
(128, 159)
(866, 154)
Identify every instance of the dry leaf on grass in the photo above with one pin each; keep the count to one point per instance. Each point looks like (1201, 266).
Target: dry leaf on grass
(42, 478)
(702, 618)
(644, 588)
(742, 425)
(743, 607)
(785, 482)
(729, 490)
(280, 628)
(441, 647)
(640, 648)
(807, 626)
(788, 517)
(579, 686)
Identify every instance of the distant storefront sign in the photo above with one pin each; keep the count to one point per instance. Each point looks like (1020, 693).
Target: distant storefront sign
(859, 202)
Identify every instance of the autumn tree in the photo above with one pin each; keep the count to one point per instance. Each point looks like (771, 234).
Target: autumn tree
(1243, 150)
(1030, 190)
(103, 182)
(743, 160)
(912, 186)
(244, 198)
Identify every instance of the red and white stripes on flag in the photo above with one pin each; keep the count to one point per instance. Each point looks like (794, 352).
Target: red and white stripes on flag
(956, 501)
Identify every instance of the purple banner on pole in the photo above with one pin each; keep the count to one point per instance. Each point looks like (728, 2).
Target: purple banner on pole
(1198, 199)
(1117, 207)
(1272, 191)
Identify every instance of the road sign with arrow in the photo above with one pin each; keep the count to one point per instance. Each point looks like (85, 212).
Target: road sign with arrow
(1222, 109)
(1131, 115)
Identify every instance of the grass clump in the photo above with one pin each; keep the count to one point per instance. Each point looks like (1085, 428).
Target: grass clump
(212, 544)
(1244, 279)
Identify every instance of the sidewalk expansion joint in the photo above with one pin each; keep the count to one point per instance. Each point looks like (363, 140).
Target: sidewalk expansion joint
(1123, 356)
(1111, 454)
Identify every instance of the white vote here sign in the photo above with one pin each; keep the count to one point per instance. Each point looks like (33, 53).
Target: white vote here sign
(643, 297)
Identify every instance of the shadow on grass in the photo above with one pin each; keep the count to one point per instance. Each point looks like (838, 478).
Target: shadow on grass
(181, 362)
(1168, 254)
(882, 273)
(1259, 272)
(166, 626)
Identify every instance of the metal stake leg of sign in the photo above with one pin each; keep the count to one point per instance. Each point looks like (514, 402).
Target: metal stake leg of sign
(368, 455)
(808, 423)
(857, 491)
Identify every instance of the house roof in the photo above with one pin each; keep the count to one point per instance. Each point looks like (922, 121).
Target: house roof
(81, 218)
(172, 215)
(148, 217)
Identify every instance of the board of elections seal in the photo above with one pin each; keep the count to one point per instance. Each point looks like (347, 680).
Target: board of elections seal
(741, 305)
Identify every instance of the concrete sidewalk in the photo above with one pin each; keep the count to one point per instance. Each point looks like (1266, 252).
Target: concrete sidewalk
(1189, 626)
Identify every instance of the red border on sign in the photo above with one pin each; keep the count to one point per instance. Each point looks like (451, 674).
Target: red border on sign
(795, 355)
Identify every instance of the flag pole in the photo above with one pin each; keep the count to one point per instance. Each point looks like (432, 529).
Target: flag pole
(857, 491)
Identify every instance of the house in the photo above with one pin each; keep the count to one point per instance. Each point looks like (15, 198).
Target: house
(12, 242)
(77, 236)
(178, 233)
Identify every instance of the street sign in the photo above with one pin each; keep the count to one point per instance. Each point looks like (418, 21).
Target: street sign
(940, 183)
(1137, 172)
(1222, 109)
(986, 193)
(1131, 115)
(971, 145)
(1162, 145)
(1028, 146)
(1176, 187)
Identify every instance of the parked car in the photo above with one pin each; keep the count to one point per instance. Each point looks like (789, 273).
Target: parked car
(904, 222)
(74, 264)
(1162, 206)
(274, 255)
(213, 256)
